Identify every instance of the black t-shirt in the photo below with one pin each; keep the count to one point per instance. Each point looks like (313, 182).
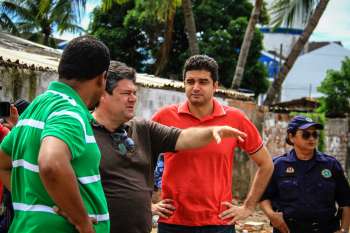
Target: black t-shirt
(128, 179)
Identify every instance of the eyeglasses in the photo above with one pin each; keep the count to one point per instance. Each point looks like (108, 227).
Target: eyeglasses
(306, 134)
(122, 143)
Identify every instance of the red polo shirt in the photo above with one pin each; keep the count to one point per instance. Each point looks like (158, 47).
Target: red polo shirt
(3, 132)
(198, 180)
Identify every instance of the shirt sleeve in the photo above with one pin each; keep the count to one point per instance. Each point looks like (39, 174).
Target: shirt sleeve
(342, 191)
(158, 172)
(69, 129)
(163, 138)
(253, 142)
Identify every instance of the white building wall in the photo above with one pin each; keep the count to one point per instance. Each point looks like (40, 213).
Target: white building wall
(149, 100)
(310, 70)
(273, 42)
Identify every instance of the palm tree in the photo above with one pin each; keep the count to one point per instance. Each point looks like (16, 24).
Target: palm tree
(164, 11)
(309, 11)
(190, 26)
(248, 37)
(38, 19)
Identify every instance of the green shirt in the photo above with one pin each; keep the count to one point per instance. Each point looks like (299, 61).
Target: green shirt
(61, 113)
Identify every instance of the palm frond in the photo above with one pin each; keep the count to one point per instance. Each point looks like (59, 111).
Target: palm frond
(290, 12)
(78, 7)
(40, 17)
(16, 10)
(62, 7)
(107, 4)
(73, 28)
(7, 24)
(44, 7)
(27, 27)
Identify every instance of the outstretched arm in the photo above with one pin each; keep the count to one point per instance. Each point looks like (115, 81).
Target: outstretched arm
(200, 136)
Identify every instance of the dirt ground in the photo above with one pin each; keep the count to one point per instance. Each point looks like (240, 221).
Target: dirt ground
(257, 223)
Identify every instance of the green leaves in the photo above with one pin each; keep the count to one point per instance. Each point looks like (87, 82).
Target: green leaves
(37, 19)
(288, 12)
(135, 36)
(336, 87)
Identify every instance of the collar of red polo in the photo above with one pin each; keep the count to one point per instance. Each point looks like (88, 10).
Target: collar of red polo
(219, 110)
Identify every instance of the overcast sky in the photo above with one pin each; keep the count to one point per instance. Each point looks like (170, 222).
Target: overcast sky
(335, 23)
(333, 26)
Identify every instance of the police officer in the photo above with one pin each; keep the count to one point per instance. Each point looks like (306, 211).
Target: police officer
(307, 186)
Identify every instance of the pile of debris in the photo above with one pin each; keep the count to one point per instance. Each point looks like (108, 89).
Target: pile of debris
(257, 223)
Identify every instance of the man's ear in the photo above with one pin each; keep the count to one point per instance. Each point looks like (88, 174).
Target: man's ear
(101, 80)
(216, 85)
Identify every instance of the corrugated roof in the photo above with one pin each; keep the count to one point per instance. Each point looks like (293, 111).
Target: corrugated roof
(15, 51)
(147, 80)
(305, 104)
(18, 52)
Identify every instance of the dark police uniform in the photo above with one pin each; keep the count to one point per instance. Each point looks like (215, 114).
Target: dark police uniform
(306, 192)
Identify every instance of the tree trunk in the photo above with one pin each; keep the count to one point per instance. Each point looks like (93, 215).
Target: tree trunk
(163, 54)
(190, 27)
(275, 88)
(46, 39)
(248, 37)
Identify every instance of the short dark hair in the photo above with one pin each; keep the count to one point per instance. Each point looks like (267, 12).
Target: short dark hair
(83, 59)
(201, 62)
(118, 71)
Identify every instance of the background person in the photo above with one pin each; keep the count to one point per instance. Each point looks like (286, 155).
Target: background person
(16, 109)
(199, 181)
(306, 186)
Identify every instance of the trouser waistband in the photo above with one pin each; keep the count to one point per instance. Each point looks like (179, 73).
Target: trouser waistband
(310, 226)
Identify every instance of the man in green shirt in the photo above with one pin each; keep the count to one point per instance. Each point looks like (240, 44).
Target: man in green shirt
(51, 154)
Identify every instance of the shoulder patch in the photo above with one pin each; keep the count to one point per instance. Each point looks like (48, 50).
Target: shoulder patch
(326, 173)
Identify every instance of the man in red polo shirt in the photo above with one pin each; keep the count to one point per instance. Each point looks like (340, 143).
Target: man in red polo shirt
(199, 181)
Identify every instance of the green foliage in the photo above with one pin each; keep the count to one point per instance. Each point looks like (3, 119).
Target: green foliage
(107, 4)
(126, 44)
(220, 29)
(336, 87)
(157, 10)
(289, 12)
(37, 19)
(319, 118)
(215, 44)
